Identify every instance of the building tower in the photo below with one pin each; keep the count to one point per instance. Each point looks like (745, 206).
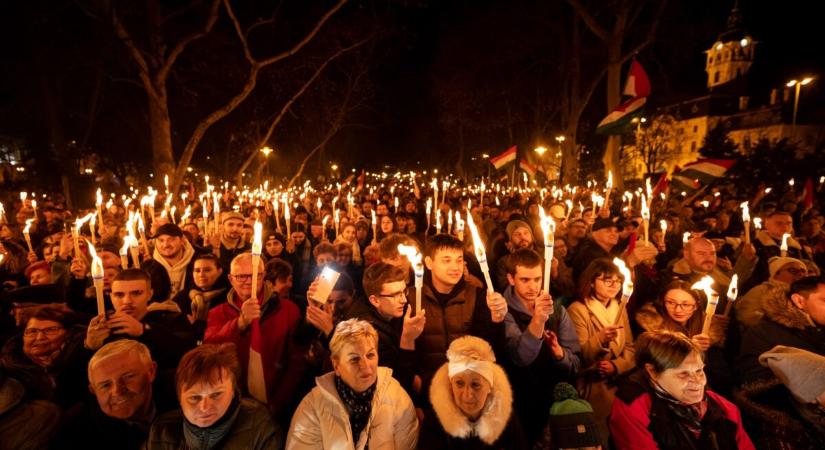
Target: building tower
(731, 55)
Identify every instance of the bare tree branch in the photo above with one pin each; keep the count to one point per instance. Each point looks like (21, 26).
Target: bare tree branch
(651, 34)
(181, 45)
(589, 20)
(297, 47)
(135, 53)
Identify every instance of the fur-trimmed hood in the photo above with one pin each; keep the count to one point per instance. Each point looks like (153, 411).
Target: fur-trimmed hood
(648, 318)
(765, 239)
(494, 418)
(755, 399)
(781, 310)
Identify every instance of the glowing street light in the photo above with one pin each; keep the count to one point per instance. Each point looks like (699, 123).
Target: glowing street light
(540, 150)
(266, 151)
(798, 84)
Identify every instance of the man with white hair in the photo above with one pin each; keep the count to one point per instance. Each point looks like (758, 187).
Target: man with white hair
(121, 377)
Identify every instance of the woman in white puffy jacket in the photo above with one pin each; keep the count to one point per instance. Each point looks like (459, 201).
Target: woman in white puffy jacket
(358, 405)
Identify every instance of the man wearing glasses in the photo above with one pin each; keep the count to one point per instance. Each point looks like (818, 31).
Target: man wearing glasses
(783, 271)
(385, 286)
(277, 319)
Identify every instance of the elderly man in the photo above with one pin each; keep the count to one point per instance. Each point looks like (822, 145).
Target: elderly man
(167, 333)
(267, 317)
(783, 271)
(121, 377)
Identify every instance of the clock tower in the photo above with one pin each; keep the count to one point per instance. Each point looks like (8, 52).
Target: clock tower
(731, 55)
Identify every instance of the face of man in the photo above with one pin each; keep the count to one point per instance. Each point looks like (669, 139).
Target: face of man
(779, 224)
(521, 238)
(316, 231)
(170, 247)
(813, 304)
(324, 259)
(578, 230)
(122, 385)
(791, 272)
(606, 237)
(447, 267)
(40, 276)
(206, 273)
(192, 229)
(382, 210)
(131, 297)
(298, 238)
(205, 402)
(700, 255)
(526, 282)
(391, 300)
(233, 229)
(240, 277)
(274, 247)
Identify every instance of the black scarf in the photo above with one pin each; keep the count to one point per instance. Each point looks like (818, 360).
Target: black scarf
(358, 405)
(210, 437)
(689, 415)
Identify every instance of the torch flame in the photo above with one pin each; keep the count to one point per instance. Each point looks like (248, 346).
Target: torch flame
(705, 284)
(757, 223)
(627, 284)
(746, 215)
(413, 256)
(256, 240)
(784, 246)
(97, 263)
(733, 289)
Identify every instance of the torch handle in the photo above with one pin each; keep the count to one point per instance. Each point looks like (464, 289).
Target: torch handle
(135, 257)
(548, 262)
(101, 306)
(254, 276)
(747, 236)
(709, 312)
(728, 307)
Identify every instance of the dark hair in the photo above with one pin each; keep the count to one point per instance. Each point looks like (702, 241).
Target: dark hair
(524, 257)
(596, 268)
(345, 284)
(133, 275)
(804, 286)
(342, 247)
(323, 247)
(443, 242)
(277, 269)
(205, 364)
(208, 257)
(379, 274)
(663, 349)
(56, 312)
(694, 324)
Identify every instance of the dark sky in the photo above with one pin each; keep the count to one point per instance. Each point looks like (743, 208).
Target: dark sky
(402, 119)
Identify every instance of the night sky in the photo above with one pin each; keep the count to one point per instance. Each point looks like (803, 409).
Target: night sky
(430, 67)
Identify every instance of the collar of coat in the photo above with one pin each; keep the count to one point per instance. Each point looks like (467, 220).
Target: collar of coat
(494, 417)
(682, 267)
(781, 310)
(765, 239)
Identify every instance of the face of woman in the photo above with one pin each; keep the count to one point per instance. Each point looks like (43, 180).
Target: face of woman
(606, 286)
(348, 234)
(357, 364)
(386, 224)
(685, 383)
(344, 258)
(205, 402)
(205, 273)
(470, 392)
(5, 232)
(274, 247)
(42, 338)
(679, 305)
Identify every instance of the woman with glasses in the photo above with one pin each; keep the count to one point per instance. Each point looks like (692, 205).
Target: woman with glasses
(604, 334)
(665, 404)
(47, 357)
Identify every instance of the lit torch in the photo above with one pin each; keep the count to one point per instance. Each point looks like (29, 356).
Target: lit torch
(733, 292)
(97, 278)
(27, 235)
(746, 220)
(645, 217)
(713, 299)
(414, 257)
(257, 246)
(627, 287)
(481, 255)
(548, 228)
(783, 249)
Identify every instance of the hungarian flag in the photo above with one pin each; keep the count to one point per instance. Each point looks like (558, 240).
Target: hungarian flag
(661, 185)
(701, 172)
(504, 158)
(636, 91)
(527, 167)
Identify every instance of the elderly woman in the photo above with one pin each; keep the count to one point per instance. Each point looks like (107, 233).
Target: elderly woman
(359, 405)
(604, 334)
(48, 356)
(665, 404)
(212, 413)
(472, 401)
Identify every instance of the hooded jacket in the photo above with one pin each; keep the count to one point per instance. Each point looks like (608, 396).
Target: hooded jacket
(750, 308)
(322, 422)
(783, 324)
(178, 272)
(450, 428)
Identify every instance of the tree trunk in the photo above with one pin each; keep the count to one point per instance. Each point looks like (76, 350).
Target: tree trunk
(160, 133)
(612, 160)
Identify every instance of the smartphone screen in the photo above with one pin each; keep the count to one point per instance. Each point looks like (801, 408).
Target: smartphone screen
(326, 281)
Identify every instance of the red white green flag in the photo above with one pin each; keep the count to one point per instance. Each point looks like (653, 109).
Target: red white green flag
(636, 91)
(504, 158)
(527, 167)
(699, 173)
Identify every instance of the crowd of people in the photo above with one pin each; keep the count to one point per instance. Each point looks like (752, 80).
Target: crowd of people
(327, 337)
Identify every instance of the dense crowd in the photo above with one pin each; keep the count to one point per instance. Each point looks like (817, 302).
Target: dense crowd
(296, 319)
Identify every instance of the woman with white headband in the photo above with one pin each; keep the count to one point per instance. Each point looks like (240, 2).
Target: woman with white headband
(472, 402)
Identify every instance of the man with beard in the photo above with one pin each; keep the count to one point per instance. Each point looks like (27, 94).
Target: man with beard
(121, 377)
(229, 242)
(168, 334)
(519, 235)
(173, 253)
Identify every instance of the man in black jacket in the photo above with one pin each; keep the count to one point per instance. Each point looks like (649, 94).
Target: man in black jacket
(160, 326)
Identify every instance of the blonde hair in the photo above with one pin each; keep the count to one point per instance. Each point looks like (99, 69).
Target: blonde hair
(117, 348)
(349, 331)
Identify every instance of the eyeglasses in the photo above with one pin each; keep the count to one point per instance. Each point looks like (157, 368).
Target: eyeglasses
(49, 332)
(683, 306)
(610, 282)
(796, 272)
(396, 296)
(246, 277)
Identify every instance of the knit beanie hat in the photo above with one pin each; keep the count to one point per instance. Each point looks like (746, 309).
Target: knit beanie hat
(776, 264)
(801, 371)
(572, 422)
(514, 225)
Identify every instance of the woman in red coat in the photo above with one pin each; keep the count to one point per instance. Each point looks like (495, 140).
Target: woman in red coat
(665, 405)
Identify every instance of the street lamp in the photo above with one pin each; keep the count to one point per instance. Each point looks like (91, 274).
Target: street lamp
(638, 121)
(798, 84)
(540, 150)
(266, 151)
